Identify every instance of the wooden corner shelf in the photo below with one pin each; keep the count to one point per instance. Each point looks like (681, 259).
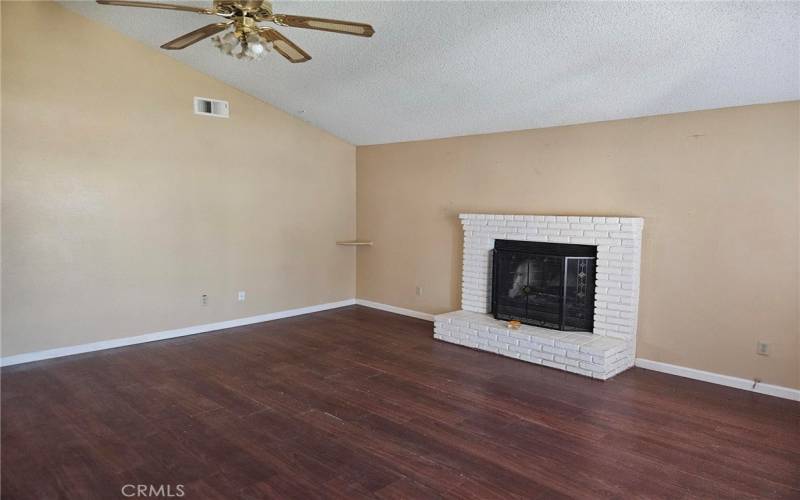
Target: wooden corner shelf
(355, 243)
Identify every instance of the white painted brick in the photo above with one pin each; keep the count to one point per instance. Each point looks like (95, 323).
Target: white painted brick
(530, 345)
(520, 336)
(632, 259)
(543, 355)
(616, 358)
(625, 235)
(543, 340)
(580, 356)
(607, 227)
(531, 359)
(554, 350)
(552, 364)
(622, 278)
(620, 321)
(566, 361)
(499, 345)
(488, 336)
(579, 371)
(592, 367)
(623, 249)
(622, 307)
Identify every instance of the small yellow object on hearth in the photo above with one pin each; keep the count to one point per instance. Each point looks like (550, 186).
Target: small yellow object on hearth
(513, 324)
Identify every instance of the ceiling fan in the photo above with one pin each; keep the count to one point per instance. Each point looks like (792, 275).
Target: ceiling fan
(252, 40)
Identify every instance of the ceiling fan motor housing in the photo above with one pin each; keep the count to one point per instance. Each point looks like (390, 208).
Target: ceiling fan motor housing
(255, 9)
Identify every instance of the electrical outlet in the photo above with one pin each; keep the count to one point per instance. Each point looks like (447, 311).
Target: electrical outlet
(419, 290)
(242, 296)
(762, 348)
(204, 299)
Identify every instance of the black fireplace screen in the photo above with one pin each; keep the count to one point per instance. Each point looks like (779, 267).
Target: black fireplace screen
(544, 284)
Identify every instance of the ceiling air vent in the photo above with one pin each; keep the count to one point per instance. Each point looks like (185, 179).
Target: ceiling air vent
(211, 107)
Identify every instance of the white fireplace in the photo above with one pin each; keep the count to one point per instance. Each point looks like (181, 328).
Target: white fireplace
(602, 353)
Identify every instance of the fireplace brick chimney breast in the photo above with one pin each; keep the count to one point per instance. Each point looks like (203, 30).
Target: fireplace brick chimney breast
(612, 342)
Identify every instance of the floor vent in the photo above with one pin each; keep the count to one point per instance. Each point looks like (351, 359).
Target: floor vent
(211, 107)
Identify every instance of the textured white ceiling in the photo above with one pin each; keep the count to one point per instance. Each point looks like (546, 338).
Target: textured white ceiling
(442, 69)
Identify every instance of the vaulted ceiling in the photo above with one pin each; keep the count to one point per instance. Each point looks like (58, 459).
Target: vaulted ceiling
(442, 69)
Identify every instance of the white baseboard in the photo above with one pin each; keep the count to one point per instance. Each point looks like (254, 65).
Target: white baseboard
(716, 378)
(166, 334)
(396, 310)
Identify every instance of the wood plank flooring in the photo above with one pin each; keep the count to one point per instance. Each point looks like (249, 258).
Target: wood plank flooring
(359, 403)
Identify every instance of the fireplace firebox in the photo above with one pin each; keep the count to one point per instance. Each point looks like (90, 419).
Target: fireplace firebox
(544, 284)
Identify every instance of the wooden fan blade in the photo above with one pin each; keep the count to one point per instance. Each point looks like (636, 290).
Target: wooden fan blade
(284, 46)
(153, 5)
(195, 36)
(317, 23)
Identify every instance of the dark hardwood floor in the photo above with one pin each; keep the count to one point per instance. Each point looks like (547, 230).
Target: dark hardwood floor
(355, 403)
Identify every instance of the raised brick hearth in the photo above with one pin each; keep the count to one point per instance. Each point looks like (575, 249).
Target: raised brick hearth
(611, 346)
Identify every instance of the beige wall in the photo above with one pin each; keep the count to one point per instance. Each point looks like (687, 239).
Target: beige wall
(121, 207)
(718, 191)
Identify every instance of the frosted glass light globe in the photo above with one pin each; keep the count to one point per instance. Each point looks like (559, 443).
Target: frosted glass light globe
(256, 48)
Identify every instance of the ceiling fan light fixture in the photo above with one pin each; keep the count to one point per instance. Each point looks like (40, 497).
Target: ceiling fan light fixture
(255, 46)
(250, 47)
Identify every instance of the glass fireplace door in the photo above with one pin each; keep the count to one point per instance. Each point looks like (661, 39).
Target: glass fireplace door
(529, 288)
(544, 284)
(578, 307)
